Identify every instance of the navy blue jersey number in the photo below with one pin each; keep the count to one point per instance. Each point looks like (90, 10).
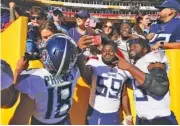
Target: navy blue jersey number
(103, 90)
(143, 96)
(61, 101)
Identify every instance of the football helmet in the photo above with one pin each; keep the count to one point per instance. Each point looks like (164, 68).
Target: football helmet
(59, 54)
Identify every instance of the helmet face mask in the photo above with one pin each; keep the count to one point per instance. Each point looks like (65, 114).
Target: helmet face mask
(59, 54)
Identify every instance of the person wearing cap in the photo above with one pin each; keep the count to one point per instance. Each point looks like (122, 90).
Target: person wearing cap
(80, 29)
(166, 32)
(58, 20)
(150, 84)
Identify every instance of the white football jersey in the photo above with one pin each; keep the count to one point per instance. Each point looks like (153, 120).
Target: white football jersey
(6, 75)
(123, 45)
(52, 96)
(147, 106)
(107, 86)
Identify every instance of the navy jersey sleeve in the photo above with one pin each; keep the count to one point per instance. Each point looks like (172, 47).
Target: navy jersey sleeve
(23, 85)
(175, 37)
(178, 34)
(6, 75)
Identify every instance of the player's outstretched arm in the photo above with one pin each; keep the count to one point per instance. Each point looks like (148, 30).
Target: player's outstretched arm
(12, 6)
(166, 45)
(85, 71)
(21, 65)
(173, 45)
(156, 83)
(23, 111)
(126, 107)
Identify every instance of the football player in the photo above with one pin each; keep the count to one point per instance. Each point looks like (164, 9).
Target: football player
(9, 94)
(108, 88)
(46, 93)
(150, 84)
(166, 32)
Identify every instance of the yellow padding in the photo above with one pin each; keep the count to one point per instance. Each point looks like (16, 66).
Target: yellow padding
(174, 77)
(13, 41)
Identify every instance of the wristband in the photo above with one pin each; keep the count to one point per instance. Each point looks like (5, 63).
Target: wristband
(161, 44)
(129, 118)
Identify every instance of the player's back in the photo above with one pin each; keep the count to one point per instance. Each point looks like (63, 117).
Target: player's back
(106, 86)
(147, 106)
(168, 32)
(52, 95)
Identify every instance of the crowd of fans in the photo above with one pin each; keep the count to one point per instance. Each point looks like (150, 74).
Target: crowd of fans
(54, 21)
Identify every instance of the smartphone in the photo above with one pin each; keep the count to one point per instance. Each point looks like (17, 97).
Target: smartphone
(97, 40)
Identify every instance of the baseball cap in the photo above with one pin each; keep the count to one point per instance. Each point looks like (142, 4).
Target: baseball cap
(83, 14)
(169, 4)
(57, 11)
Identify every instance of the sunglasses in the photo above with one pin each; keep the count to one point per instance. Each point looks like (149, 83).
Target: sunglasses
(106, 26)
(35, 17)
(57, 13)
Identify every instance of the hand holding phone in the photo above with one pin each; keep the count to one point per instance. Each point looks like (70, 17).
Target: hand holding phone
(97, 40)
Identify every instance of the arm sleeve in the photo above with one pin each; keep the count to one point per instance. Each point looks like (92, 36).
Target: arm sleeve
(85, 71)
(178, 34)
(24, 86)
(156, 83)
(6, 75)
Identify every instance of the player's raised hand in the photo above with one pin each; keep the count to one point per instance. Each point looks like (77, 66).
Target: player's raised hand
(150, 36)
(122, 63)
(85, 41)
(21, 65)
(156, 46)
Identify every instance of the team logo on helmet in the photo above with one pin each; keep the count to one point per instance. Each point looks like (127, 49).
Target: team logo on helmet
(47, 62)
(59, 54)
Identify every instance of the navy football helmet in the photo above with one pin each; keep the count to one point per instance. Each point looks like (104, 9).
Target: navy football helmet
(59, 54)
